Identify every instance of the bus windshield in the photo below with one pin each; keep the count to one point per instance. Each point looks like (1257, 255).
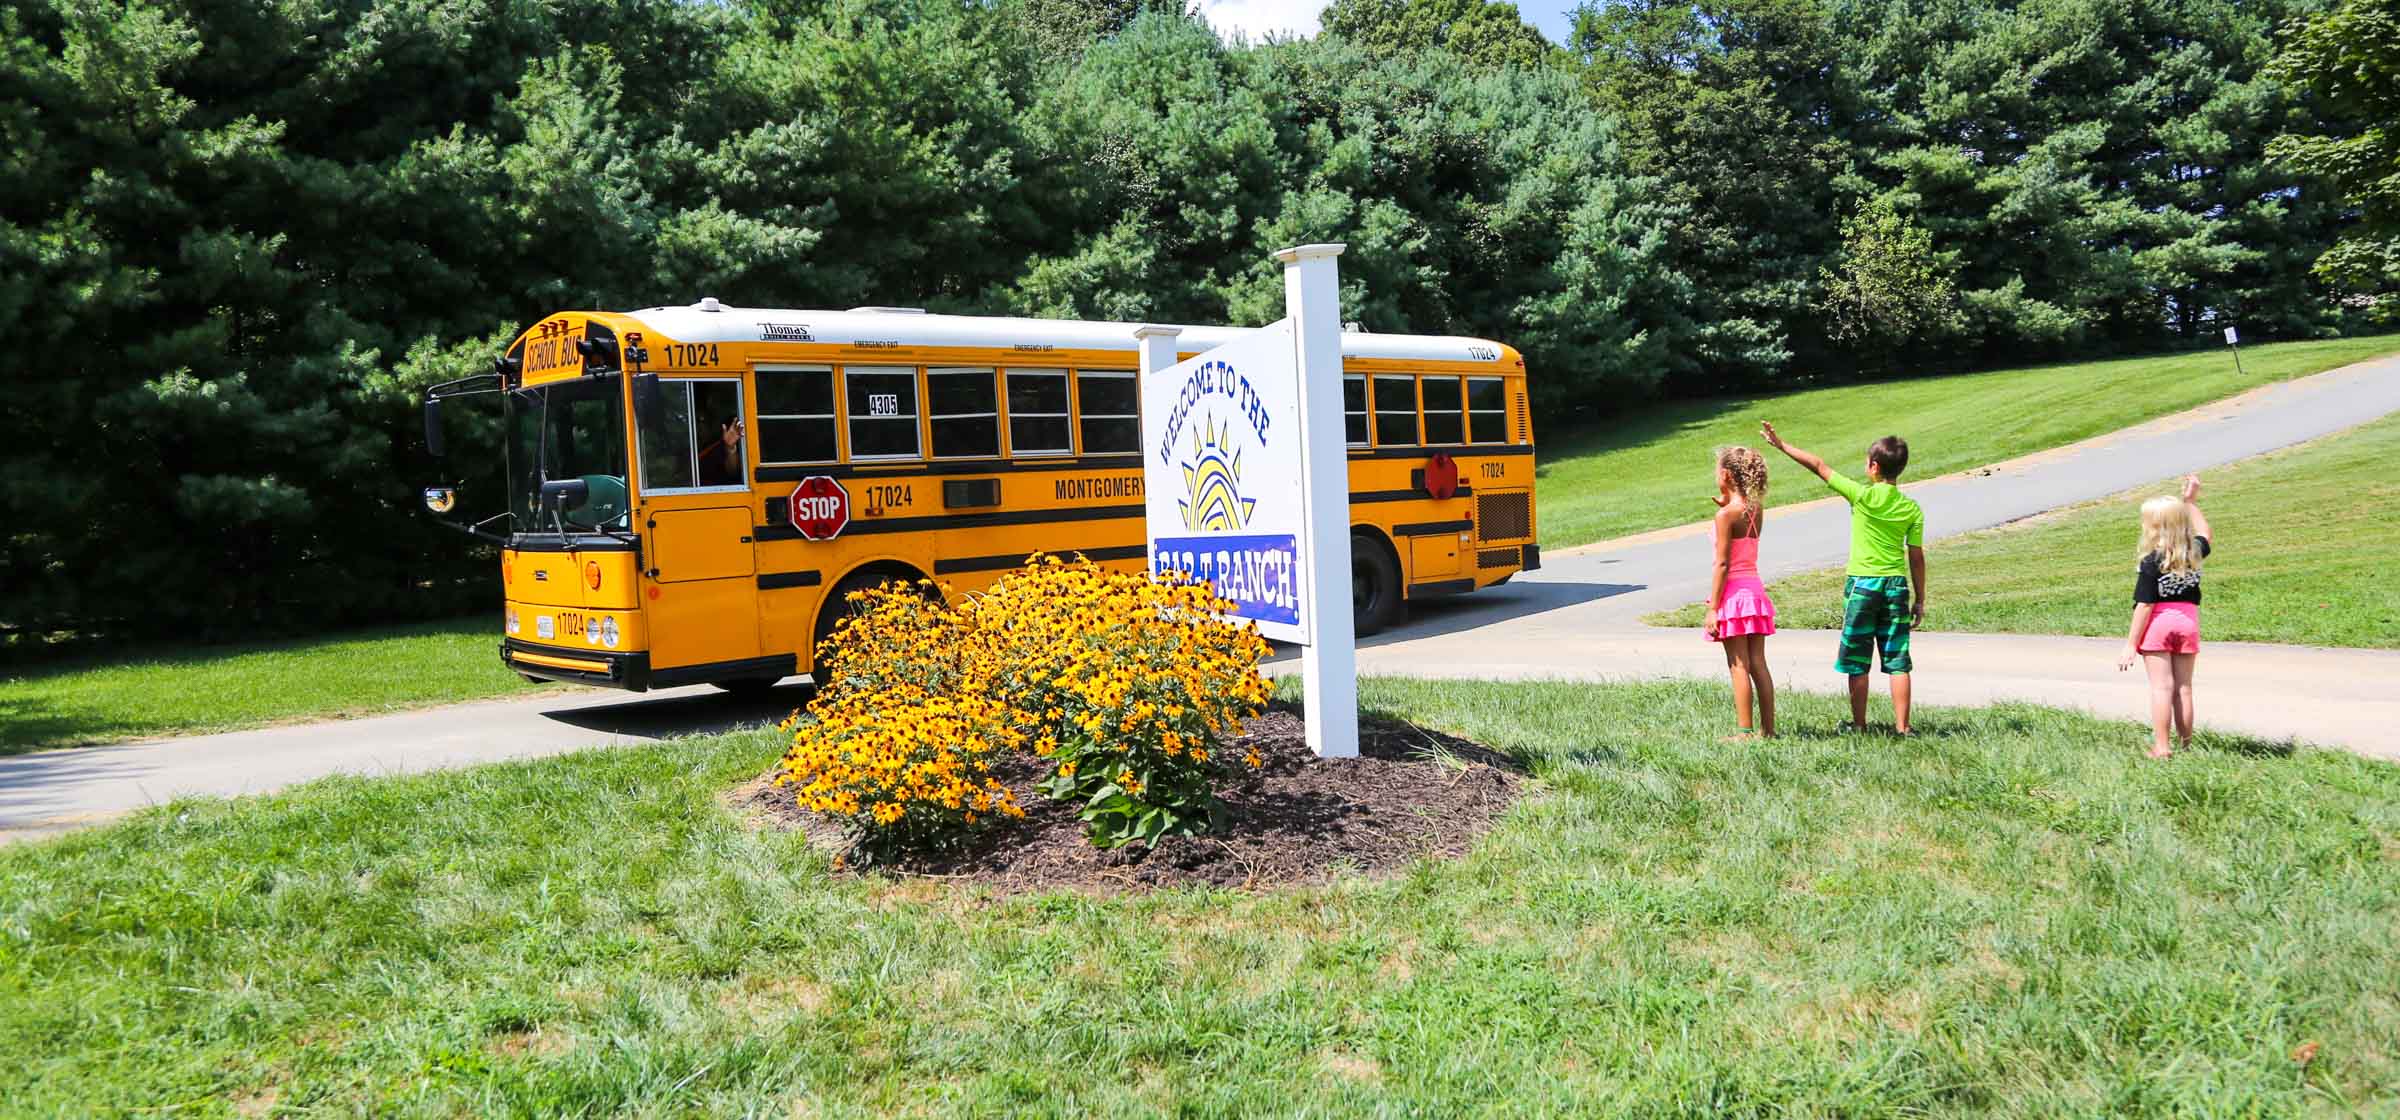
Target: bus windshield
(569, 429)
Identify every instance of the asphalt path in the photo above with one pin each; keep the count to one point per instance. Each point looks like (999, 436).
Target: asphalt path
(1577, 618)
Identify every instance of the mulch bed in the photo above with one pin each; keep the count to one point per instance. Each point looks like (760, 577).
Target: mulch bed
(1411, 793)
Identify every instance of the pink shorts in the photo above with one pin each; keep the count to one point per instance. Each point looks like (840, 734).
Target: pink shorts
(2174, 628)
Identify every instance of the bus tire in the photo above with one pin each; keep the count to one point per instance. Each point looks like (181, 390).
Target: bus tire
(748, 686)
(832, 611)
(1374, 585)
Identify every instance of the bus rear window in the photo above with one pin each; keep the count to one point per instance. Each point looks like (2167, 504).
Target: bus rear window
(1487, 410)
(883, 411)
(1111, 407)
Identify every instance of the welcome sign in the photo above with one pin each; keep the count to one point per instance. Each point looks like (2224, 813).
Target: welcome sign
(1221, 447)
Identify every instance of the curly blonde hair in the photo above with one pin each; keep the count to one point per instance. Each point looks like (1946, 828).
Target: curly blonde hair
(1749, 471)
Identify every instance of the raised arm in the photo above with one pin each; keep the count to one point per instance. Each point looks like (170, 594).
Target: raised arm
(2191, 501)
(1799, 455)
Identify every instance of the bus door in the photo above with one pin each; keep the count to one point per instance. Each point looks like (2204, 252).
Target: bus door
(697, 515)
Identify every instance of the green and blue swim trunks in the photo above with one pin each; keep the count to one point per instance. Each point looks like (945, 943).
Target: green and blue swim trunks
(1875, 622)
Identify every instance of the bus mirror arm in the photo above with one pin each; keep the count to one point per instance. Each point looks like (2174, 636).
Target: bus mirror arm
(464, 386)
(476, 530)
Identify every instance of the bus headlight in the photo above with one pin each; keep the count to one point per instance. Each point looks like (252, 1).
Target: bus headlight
(608, 632)
(512, 620)
(439, 499)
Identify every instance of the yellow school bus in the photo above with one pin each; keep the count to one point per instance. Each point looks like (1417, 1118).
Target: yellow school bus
(694, 490)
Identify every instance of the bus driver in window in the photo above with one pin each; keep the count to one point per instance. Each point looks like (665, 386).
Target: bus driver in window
(721, 460)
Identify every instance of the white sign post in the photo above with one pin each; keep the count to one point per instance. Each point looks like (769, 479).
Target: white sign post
(2233, 339)
(1246, 482)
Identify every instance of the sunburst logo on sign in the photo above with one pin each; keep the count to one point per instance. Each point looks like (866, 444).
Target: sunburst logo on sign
(1212, 478)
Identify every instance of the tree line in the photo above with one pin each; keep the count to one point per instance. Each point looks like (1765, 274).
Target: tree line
(237, 240)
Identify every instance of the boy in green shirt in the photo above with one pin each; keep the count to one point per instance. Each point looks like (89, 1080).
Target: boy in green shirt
(1887, 561)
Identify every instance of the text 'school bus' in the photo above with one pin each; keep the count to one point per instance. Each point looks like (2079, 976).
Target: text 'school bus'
(693, 491)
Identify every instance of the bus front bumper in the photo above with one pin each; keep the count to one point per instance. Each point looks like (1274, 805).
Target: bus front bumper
(629, 671)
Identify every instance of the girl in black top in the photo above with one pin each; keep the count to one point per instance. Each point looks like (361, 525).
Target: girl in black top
(2166, 610)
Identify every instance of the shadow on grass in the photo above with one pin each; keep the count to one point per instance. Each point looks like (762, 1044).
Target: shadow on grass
(2245, 745)
(29, 724)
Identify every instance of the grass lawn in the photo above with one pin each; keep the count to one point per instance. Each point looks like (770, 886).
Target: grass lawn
(213, 688)
(2014, 914)
(2307, 557)
(1653, 469)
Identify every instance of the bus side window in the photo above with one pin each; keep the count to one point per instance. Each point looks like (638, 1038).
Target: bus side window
(667, 441)
(964, 409)
(1395, 410)
(1487, 410)
(1038, 419)
(1445, 414)
(883, 411)
(718, 434)
(1354, 409)
(1111, 408)
(796, 421)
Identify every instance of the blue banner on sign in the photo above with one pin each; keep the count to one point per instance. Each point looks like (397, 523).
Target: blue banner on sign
(1258, 573)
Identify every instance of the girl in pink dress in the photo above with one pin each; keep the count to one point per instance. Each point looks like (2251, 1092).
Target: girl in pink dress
(1740, 616)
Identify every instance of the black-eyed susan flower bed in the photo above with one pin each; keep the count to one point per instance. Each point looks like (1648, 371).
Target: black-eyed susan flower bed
(1295, 819)
(1125, 704)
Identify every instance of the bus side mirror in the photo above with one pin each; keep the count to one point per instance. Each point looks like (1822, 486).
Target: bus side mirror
(564, 493)
(433, 428)
(648, 399)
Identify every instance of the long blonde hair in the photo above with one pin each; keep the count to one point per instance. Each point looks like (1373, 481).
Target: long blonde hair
(1749, 471)
(2167, 531)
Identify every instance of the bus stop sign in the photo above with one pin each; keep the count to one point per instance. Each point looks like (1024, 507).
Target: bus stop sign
(820, 508)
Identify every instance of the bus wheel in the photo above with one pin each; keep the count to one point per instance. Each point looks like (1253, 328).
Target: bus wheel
(748, 686)
(1374, 585)
(835, 608)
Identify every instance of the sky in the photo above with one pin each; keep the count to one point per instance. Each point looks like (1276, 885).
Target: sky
(1253, 19)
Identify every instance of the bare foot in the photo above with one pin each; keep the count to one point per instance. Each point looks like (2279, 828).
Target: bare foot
(1739, 737)
(2162, 752)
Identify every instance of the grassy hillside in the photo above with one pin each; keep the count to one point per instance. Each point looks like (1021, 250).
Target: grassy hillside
(1655, 468)
(2014, 914)
(2306, 553)
(214, 688)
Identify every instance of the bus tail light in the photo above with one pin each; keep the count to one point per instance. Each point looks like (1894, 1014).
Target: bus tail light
(591, 573)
